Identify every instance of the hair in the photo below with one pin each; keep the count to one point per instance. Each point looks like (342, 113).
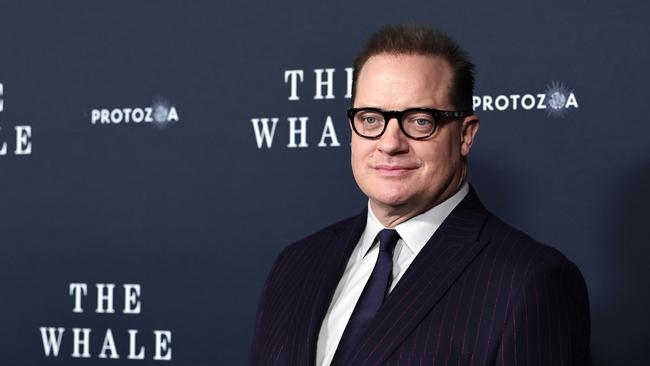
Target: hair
(414, 39)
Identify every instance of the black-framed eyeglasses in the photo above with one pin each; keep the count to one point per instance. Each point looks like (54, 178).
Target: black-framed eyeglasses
(416, 123)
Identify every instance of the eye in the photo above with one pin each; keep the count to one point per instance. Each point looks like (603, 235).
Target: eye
(369, 120)
(422, 122)
(419, 123)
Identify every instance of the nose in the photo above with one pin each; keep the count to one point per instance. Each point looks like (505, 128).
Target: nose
(393, 141)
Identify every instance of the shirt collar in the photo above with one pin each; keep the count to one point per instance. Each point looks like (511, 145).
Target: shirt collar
(416, 231)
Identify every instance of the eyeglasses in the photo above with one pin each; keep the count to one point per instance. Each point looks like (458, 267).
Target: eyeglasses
(416, 123)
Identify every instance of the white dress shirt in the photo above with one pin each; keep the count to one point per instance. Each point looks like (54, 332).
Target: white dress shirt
(414, 234)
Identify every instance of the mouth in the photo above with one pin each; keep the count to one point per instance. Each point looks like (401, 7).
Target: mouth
(393, 170)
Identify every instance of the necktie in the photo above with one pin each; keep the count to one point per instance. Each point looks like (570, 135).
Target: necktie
(372, 296)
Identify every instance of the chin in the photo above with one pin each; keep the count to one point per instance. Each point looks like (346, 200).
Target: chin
(391, 198)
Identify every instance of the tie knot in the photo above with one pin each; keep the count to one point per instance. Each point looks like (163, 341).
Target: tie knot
(387, 240)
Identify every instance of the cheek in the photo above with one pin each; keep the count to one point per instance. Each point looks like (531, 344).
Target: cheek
(359, 153)
(438, 162)
(354, 155)
(357, 162)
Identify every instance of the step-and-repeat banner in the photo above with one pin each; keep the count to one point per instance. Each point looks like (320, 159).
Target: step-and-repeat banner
(156, 156)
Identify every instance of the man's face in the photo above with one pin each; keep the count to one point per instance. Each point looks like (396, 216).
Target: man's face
(402, 176)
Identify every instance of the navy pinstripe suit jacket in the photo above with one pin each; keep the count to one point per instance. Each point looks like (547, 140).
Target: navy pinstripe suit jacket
(479, 293)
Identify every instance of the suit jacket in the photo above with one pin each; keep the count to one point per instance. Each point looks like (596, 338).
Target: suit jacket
(479, 293)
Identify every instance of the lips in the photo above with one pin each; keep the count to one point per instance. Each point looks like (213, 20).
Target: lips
(393, 169)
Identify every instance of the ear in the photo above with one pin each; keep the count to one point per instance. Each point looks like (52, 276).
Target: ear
(468, 131)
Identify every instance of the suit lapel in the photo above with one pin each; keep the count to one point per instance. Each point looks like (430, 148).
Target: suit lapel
(454, 245)
(334, 249)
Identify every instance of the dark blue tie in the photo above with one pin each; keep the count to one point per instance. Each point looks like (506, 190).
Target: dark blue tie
(372, 296)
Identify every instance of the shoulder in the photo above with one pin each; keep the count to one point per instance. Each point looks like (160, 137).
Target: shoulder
(542, 296)
(499, 233)
(530, 260)
(305, 250)
(317, 240)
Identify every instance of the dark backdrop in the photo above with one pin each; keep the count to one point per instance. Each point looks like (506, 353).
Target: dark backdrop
(193, 210)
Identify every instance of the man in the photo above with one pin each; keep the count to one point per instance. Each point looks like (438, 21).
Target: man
(425, 275)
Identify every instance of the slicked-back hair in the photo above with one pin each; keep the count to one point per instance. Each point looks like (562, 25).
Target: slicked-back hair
(414, 39)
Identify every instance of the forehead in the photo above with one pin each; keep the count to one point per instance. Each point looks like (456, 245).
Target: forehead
(402, 81)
